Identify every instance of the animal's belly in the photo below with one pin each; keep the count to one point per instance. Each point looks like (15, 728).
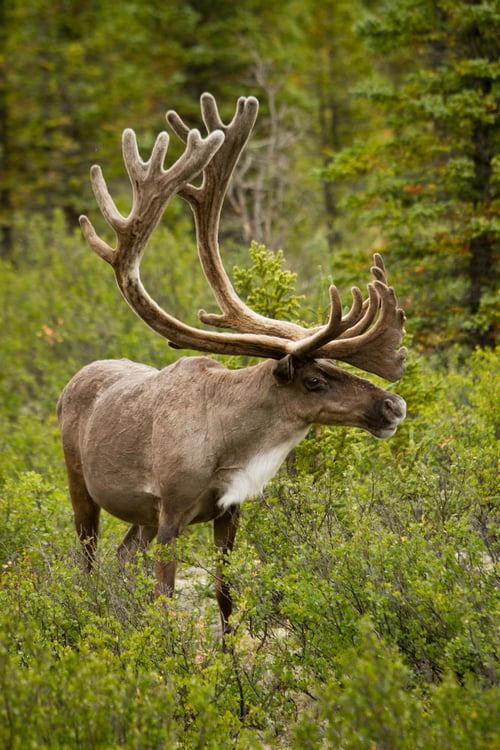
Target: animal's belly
(116, 464)
(134, 505)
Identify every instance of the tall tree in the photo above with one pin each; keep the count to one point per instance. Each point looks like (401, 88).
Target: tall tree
(332, 63)
(431, 176)
(5, 192)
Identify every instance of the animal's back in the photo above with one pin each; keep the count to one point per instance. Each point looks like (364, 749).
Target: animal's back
(121, 383)
(85, 387)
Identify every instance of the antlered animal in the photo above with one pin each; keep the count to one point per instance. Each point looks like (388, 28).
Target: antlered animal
(162, 449)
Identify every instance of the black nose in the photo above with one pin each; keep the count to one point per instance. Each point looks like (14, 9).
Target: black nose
(394, 409)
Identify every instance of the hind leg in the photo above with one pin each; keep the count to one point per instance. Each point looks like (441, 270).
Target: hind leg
(135, 540)
(165, 562)
(86, 518)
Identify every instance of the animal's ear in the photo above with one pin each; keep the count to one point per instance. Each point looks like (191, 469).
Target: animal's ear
(284, 370)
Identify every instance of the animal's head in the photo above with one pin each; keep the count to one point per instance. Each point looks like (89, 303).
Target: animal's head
(323, 393)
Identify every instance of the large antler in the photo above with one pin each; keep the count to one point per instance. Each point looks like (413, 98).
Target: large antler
(342, 337)
(368, 336)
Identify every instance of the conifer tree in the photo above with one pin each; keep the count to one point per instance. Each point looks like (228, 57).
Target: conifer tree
(432, 174)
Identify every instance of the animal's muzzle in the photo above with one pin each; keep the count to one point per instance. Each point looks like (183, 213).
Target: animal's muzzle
(393, 409)
(389, 413)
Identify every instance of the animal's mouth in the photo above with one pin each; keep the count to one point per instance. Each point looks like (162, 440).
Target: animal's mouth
(383, 433)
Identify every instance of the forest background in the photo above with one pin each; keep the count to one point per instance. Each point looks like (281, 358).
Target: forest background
(366, 576)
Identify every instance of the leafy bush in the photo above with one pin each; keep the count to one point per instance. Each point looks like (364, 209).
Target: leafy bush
(266, 287)
(373, 704)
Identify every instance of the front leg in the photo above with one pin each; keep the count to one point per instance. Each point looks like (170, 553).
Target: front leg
(225, 528)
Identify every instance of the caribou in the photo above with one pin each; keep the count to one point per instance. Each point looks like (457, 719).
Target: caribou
(163, 449)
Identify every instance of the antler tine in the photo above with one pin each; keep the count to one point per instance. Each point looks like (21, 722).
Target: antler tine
(378, 270)
(136, 167)
(152, 186)
(354, 314)
(369, 309)
(376, 349)
(336, 325)
(324, 334)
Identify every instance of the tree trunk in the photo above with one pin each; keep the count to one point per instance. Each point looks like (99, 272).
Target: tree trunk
(481, 267)
(328, 117)
(5, 193)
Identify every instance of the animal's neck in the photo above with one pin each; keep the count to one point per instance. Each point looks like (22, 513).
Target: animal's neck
(255, 398)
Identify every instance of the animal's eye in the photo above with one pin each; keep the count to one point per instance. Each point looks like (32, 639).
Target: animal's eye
(312, 383)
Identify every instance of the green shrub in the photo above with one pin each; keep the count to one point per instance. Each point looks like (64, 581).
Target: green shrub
(373, 703)
(32, 513)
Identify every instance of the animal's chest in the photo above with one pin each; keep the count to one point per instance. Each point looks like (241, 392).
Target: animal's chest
(249, 479)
